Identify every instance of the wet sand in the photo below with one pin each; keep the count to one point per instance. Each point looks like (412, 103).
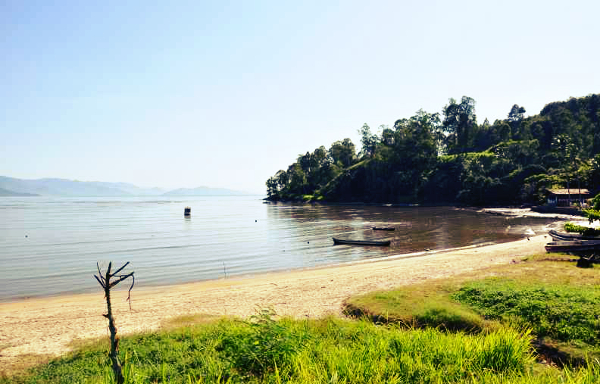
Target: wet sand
(49, 325)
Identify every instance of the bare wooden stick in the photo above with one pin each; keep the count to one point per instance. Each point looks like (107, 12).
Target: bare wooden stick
(107, 285)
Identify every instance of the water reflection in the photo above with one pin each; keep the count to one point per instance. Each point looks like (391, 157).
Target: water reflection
(239, 235)
(416, 229)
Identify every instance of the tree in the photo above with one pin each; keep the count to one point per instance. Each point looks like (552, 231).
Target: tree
(516, 113)
(415, 151)
(315, 166)
(343, 152)
(460, 124)
(272, 190)
(297, 180)
(517, 153)
(501, 131)
(515, 118)
(368, 141)
(282, 180)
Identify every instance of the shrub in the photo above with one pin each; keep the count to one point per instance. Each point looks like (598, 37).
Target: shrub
(261, 344)
(586, 231)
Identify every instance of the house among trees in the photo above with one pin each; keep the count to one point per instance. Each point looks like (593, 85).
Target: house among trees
(564, 197)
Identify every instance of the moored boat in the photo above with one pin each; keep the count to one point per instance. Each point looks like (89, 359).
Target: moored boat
(362, 242)
(384, 228)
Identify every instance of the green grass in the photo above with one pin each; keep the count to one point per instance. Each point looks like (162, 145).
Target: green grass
(326, 350)
(559, 302)
(563, 313)
(329, 350)
(475, 328)
(421, 306)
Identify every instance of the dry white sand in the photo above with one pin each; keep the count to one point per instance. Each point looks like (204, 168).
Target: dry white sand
(48, 325)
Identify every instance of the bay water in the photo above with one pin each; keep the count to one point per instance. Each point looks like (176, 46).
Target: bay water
(50, 245)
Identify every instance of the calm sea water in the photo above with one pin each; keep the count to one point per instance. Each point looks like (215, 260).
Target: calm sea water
(50, 246)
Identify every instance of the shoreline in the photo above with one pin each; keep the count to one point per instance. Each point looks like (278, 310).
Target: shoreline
(250, 275)
(27, 288)
(496, 211)
(50, 325)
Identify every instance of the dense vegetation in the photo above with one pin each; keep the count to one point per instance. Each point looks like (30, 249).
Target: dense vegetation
(451, 158)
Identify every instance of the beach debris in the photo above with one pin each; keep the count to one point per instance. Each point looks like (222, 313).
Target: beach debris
(105, 282)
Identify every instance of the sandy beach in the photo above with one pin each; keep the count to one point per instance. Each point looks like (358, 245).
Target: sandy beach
(49, 325)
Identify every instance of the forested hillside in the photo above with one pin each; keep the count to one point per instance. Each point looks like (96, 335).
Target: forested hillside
(450, 158)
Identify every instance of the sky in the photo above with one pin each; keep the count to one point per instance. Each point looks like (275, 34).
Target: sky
(225, 93)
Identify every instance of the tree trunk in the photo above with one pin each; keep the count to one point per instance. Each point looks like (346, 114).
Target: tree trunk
(104, 281)
(568, 194)
(114, 338)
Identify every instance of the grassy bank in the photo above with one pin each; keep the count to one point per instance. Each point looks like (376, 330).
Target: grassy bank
(471, 328)
(310, 351)
(547, 294)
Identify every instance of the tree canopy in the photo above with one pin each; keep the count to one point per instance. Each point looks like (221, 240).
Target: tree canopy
(448, 157)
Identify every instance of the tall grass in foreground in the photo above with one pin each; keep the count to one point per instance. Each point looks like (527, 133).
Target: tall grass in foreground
(320, 351)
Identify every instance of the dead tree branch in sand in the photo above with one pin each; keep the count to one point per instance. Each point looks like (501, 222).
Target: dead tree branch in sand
(107, 284)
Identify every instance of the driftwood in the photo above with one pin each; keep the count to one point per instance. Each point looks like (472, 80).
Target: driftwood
(107, 284)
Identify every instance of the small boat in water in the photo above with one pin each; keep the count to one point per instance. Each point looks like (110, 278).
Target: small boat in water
(384, 243)
(384, 228)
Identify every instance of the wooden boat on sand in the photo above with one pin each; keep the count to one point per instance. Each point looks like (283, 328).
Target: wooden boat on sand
(574, 246)
(564, 236)
(384, 243)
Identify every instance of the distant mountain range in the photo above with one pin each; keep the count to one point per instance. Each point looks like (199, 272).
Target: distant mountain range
(6, 192)
(10, 186)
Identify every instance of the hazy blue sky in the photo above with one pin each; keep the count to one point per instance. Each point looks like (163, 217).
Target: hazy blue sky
(224, 94)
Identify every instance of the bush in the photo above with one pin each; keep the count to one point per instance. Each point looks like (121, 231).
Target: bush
(262, 344)
(586, 231)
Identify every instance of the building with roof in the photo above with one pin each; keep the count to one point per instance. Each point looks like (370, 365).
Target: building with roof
(566, 197)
